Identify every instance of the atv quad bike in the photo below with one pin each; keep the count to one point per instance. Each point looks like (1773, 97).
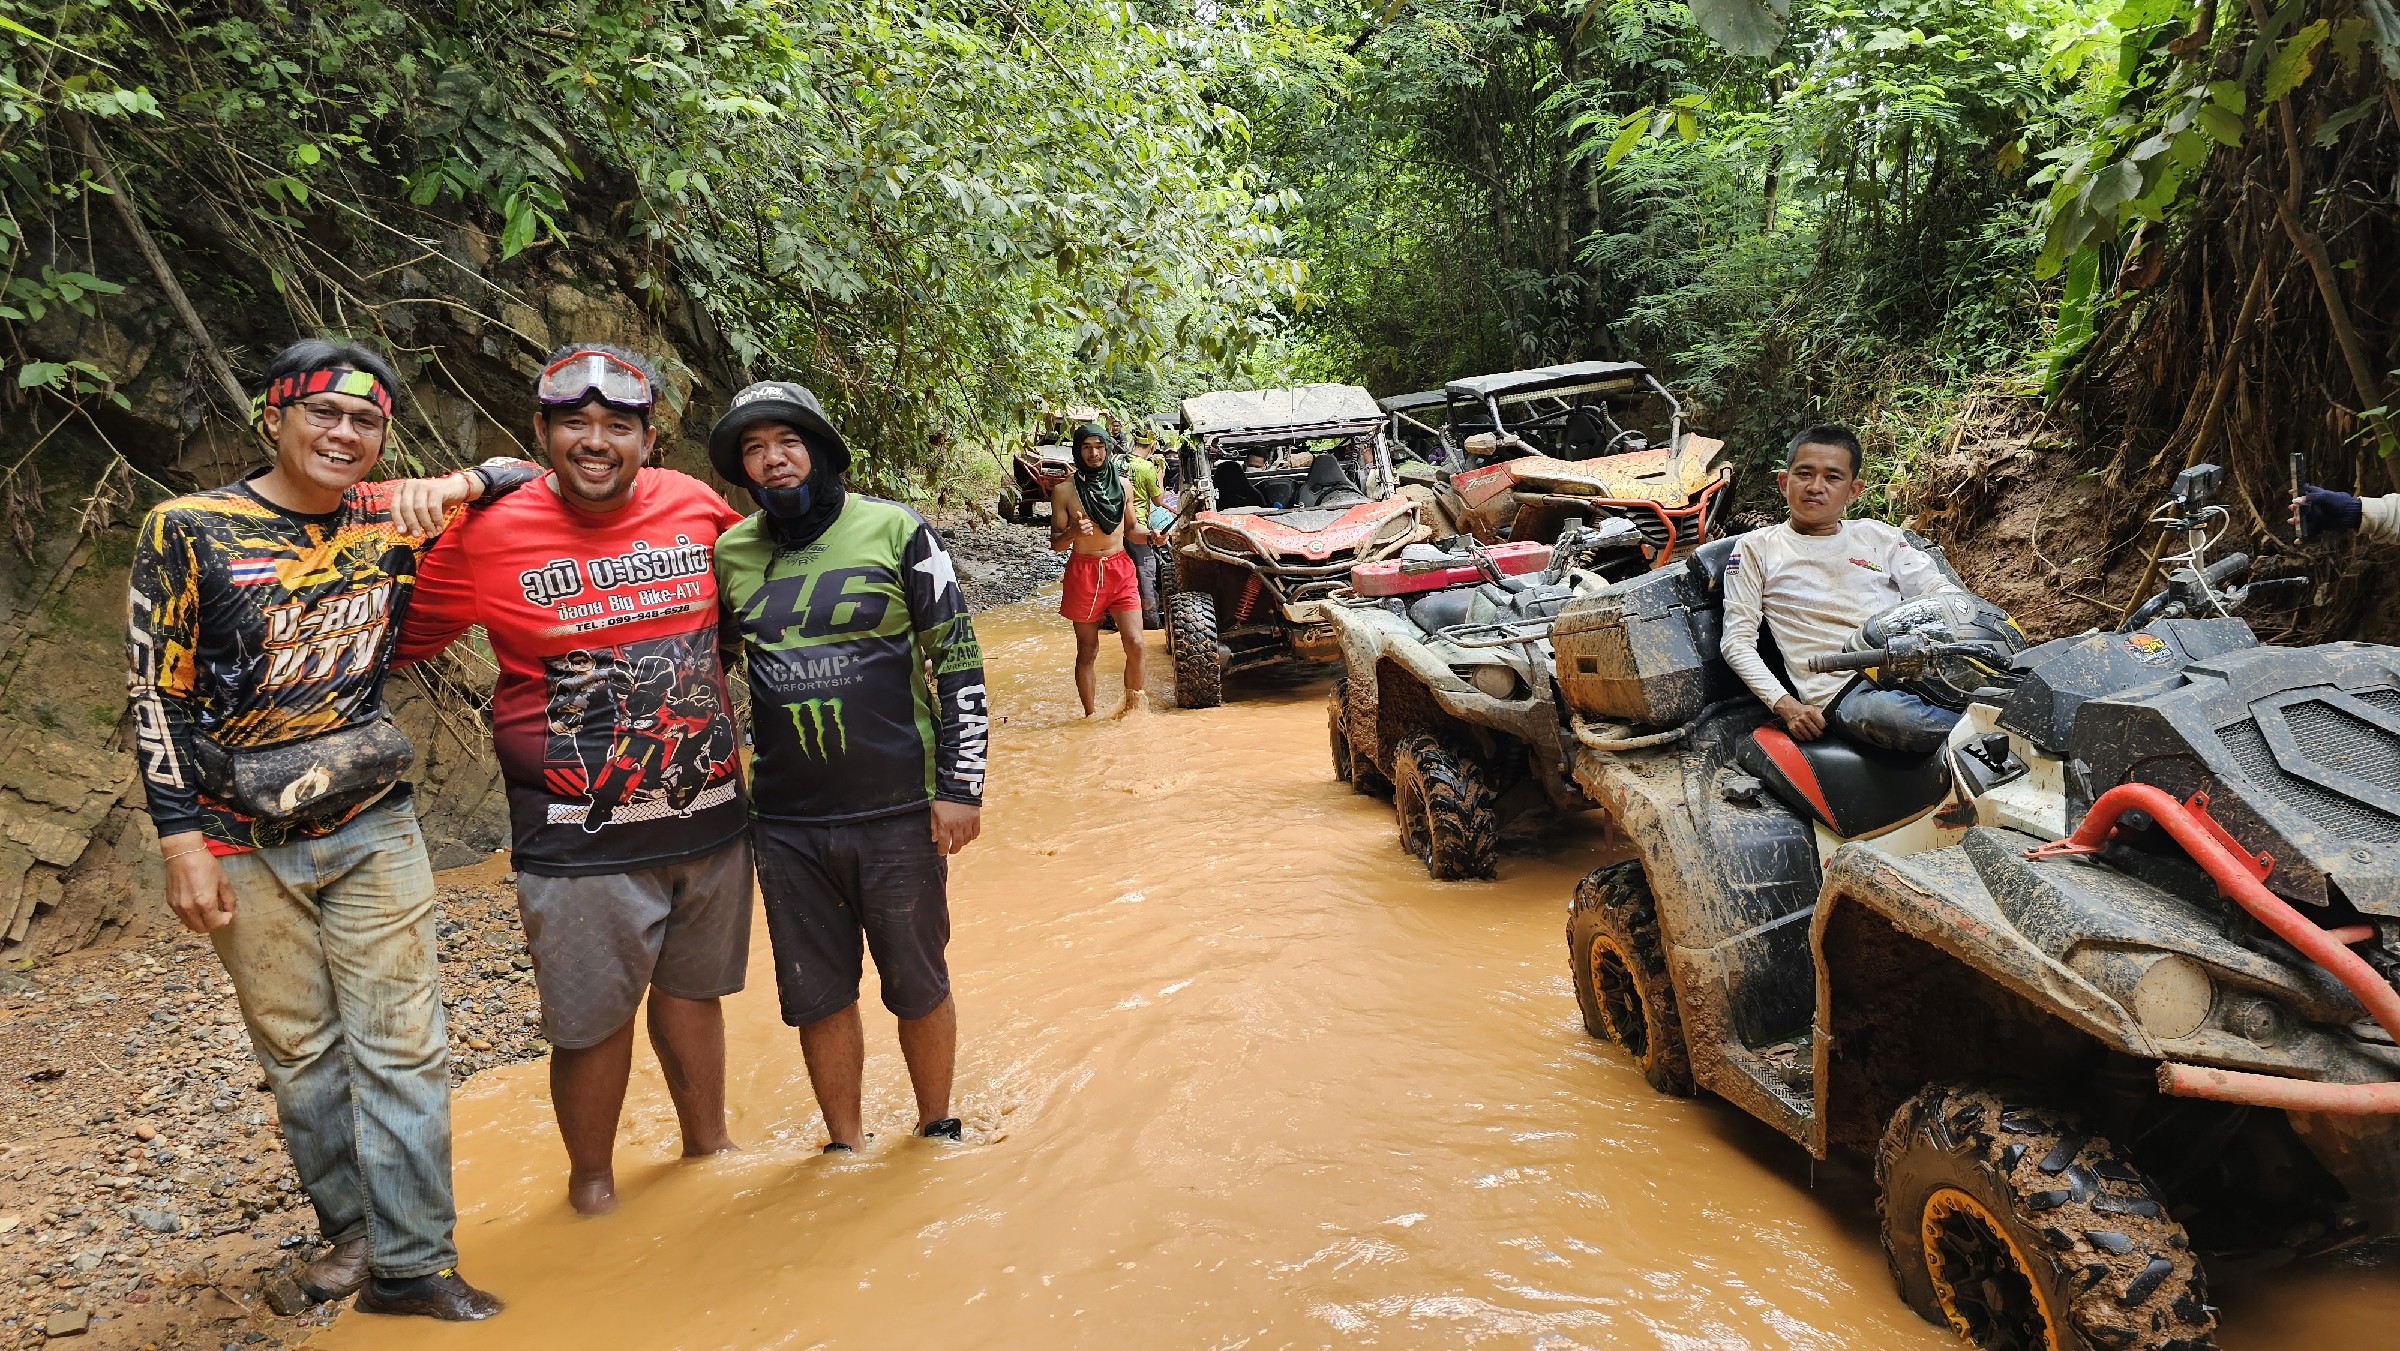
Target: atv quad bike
(1540, 447)
(1284, 491)
(2104, 987)
(1447, 699)
(1042, 463)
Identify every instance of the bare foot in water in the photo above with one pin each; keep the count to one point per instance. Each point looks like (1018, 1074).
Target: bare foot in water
(724, 1145)
(1134, 703)
(592, 1195)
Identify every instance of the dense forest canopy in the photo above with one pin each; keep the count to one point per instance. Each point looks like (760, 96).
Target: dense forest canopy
(951, 214)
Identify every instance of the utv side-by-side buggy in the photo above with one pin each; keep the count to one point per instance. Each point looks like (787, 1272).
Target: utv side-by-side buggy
(2104, 987)
(1041, 464)
(1535, 449)
(1284, 491)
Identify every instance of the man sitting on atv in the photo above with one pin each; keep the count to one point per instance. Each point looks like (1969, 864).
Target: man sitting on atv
(1814, 580)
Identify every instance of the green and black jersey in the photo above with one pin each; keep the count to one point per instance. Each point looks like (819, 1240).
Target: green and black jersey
(838, 636)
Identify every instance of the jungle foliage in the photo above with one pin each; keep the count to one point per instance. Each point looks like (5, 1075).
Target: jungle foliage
(940, 213)
(947, 213)
(1864, 210)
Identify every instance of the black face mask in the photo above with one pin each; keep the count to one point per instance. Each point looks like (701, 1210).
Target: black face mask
(786, 504)
(799, 514)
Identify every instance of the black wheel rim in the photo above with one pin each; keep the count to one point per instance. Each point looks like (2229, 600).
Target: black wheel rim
(1409, 803)
(1619, 998)
(1981, 1280)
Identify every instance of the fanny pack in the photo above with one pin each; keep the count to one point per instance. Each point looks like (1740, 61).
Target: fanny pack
(313, 779)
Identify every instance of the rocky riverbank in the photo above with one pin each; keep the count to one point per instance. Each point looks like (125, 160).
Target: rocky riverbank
(999, 563)
(144, 1189)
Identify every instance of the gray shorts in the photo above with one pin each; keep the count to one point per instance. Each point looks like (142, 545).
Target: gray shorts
(598, 942)
(826, 886)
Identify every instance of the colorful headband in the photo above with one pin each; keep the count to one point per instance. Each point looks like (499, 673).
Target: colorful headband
(329, 380)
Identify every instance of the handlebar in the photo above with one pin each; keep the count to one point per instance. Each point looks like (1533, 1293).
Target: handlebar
(1825, 662)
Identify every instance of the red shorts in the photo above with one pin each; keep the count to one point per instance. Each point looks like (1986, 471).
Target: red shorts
(1097, 586)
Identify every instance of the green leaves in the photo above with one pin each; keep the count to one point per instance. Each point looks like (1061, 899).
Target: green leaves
(73, 379)
(2293, 62)
(1743, 27)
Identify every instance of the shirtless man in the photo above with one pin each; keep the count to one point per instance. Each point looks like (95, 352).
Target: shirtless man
(1088, 517)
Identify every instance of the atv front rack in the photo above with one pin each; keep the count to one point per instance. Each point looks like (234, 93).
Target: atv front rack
(1506, 633)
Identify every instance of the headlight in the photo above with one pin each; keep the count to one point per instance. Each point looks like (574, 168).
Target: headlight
(2173, 997)
(1217, 537)
(1497, 681)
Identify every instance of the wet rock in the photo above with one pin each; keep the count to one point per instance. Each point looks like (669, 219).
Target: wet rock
(158, 1221)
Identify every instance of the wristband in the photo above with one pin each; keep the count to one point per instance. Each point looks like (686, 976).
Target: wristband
(184, 853)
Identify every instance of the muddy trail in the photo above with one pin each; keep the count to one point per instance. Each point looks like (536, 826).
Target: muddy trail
(1235, 1074)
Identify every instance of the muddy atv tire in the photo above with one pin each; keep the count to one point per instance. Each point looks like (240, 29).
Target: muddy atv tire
(1192, 645)
(1448, 815)
(2006, 1222)
(1620, 966)
(1361, 775)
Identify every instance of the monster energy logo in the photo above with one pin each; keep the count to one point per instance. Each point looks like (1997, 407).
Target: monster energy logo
(812, 720)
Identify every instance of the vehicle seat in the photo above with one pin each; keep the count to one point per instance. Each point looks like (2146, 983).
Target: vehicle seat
(1329, 484)
(1234, 485)
(1587, 434)
(1436, 610)
(1852, 790)
(1707, 566)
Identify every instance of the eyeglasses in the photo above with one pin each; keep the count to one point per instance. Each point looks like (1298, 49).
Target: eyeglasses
(325, 417)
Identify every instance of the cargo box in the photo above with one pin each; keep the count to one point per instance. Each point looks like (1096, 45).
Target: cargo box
(1643, 651)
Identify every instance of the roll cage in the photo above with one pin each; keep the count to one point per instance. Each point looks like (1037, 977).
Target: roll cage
(1576, 411)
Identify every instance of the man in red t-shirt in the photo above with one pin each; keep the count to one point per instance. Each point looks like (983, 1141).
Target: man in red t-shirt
(618, 745)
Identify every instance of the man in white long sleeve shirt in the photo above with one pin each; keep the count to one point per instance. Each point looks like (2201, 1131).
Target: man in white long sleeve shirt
(1812, 581)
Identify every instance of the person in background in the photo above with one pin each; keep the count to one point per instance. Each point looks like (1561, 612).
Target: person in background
(1143, 505)
(868, 708)
(615, 736)
(1090, 522)
(261, 618)
(1813, 580)
(2328, 511)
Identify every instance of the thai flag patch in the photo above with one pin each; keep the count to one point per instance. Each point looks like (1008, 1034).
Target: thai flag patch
(250, 571)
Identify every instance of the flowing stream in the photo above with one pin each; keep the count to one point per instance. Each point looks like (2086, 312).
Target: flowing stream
(1235, 1073)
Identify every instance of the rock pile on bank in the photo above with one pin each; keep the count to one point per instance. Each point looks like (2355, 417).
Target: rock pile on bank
(999, 563)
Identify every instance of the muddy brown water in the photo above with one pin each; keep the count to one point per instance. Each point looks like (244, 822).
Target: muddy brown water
(1235, 1074)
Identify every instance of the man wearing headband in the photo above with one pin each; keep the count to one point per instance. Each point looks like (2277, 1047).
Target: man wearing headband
(867, 706)
(1089, 516)
(610, 720)
(261, 622)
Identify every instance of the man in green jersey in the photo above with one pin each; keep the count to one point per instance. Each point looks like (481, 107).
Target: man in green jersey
(1143, 505)
(867, 707)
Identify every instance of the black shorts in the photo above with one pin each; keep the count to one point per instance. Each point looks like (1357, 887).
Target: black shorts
(826, 886)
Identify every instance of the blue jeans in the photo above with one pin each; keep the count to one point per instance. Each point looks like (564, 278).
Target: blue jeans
(332, 956)
(1893, 719)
